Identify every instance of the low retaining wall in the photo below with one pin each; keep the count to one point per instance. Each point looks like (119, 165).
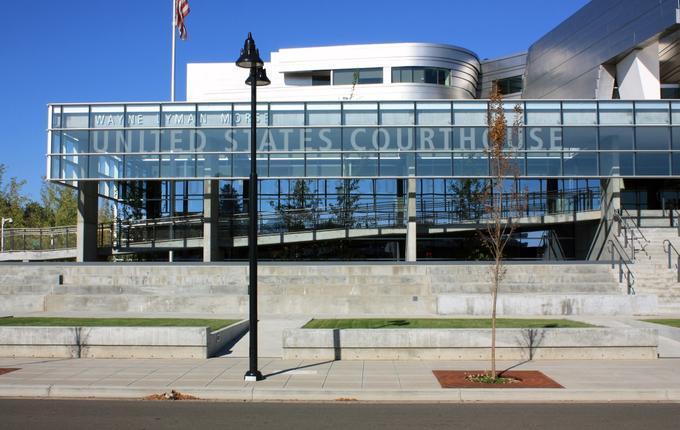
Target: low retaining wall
(548, 304)
(470, 344)
(117, 342)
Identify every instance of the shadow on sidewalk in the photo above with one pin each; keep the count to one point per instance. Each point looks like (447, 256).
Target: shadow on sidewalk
(297, 368)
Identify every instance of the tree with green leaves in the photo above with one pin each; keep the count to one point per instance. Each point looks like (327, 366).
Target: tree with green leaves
(347, 199)
(12, 201)
(298, 210)
(467, 201)
(60, 203)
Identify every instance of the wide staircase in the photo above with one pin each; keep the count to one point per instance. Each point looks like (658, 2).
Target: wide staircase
(651, 267)
(365, 289)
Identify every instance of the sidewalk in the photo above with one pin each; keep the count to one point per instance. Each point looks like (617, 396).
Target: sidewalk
(393, 381)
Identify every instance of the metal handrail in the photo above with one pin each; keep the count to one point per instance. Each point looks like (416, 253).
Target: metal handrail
(39, 239)
(623, 224)
(637, 227)
(671, 213)
(630, 277)
(670, 264)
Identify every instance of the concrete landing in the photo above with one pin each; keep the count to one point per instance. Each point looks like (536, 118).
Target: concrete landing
(270, 337)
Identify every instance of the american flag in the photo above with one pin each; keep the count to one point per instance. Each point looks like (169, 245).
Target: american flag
(181, 12)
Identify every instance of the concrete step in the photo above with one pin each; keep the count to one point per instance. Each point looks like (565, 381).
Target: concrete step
(483, 287)
(238, 304)
(11, 303)
(25, 289)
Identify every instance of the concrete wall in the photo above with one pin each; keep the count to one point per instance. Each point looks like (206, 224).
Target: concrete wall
(470, 344)
(116, 342)
(548, 304)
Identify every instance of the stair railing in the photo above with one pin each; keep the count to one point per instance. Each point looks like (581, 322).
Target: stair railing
(675, 218)
(624, 269)
(667, 250)
(631, 232)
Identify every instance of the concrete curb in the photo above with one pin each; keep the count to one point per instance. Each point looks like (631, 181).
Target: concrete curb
(254, 394)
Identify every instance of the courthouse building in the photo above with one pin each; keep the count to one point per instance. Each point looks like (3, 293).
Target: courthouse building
(376, 151)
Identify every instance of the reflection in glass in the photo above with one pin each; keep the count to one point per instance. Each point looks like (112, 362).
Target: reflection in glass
(213, 165)
(142, 166)
(648, 138)
(178, 166)
(364, 164)
(394, 164)
(651, 163)
(323, 139)
(324, 164)
(433, 164)
(578, 163)
(470, 164)
(287, 165)
(616, 163)
(579, 138)
(613, 138)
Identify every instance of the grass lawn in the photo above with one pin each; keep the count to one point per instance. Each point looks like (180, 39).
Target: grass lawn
(114, 322)
(669, 322)
(443, 323)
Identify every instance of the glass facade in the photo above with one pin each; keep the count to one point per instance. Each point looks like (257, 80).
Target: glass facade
(429, 139)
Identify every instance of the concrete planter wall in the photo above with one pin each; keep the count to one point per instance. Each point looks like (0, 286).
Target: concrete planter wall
(470, 344)
(117, 342)
(548, 304)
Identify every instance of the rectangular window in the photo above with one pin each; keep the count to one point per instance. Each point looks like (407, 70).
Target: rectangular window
(358, 76)
(511, 85)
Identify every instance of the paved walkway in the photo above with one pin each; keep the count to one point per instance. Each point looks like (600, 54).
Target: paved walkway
(222, 378)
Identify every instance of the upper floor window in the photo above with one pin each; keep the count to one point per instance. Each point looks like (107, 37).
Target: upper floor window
(358, 76)
(421, 75)
(510, 85)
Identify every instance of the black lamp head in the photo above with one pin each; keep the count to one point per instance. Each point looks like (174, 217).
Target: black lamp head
(261, 78)
(250, 55)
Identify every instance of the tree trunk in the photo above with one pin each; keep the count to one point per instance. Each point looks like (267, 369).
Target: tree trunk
(494, 300)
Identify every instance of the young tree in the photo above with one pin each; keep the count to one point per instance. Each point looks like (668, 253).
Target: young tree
(502, 200)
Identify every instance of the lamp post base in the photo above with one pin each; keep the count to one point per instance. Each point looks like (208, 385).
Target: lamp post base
(253, 376)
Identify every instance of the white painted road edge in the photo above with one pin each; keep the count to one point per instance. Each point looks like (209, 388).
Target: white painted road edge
(254, 394)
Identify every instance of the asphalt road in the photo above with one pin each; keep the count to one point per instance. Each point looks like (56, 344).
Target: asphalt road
(132, 415)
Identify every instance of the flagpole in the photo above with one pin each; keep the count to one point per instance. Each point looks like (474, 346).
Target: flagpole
(174, 39)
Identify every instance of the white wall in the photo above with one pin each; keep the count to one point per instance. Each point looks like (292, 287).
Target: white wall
(225, 81)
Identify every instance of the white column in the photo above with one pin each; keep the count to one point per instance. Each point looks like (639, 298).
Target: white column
(411, 236)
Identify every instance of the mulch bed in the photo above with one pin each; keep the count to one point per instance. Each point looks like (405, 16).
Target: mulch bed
(523, 379)
(6, 370)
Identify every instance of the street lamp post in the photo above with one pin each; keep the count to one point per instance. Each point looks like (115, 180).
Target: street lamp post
(2, 232)
(250, 59)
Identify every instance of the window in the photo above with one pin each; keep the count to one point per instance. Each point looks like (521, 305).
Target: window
(359, 76)
(422, 75)
(510, 85)
(303, 79)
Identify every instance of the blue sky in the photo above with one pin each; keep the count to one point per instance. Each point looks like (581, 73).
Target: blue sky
(105, 50)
